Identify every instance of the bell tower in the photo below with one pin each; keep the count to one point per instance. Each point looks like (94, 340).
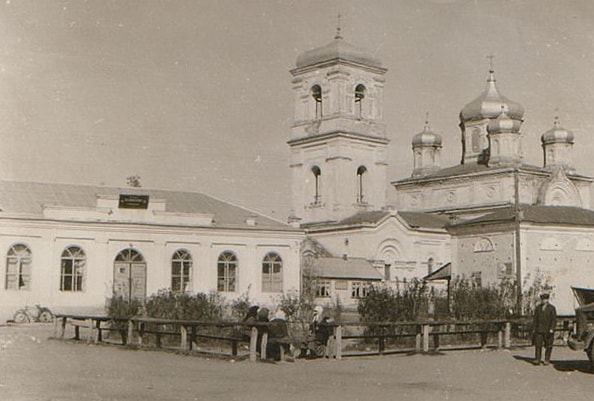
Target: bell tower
(338, 140)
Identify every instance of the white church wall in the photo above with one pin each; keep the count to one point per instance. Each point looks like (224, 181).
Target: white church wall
(562, 256)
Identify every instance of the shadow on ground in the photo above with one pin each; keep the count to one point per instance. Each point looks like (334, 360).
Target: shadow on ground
(582, 365)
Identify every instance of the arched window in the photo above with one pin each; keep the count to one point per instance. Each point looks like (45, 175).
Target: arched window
(272, 273)
(360, 92)
(430, 263)
(316, 93)
(360, 173)
(18, 268)
(317, 173)
(181, 271)
(72, 270)
(227, 272)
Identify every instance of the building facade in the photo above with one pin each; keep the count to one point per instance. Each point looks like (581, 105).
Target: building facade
(70, 247)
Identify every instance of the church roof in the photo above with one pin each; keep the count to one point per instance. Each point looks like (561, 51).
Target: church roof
(424, 220)
(338, 49)
(344, 268)
(557, 134)
(489, 103)
(552, 215)
(413, 219)
(30, 198)
(470, 168)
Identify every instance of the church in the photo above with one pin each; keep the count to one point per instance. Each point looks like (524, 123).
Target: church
(492, 216)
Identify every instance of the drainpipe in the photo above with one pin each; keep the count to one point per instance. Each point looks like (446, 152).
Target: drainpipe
(518, 251)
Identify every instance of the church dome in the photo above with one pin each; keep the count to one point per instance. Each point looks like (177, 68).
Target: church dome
(488, 104)
(557, 134)
(503, 123)
(426, 138)
(338, 49)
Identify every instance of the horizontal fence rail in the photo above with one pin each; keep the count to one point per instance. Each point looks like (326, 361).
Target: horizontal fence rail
(348, 339)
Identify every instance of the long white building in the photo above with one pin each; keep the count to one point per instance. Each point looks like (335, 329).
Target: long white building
(70, 247)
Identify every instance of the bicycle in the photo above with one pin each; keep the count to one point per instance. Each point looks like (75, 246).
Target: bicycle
(33, 314)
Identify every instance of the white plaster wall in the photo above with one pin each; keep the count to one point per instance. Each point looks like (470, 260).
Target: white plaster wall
(102, 243)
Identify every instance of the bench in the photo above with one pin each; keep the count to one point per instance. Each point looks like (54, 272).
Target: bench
(91, 322)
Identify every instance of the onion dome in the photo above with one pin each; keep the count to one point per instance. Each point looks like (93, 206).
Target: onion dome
(557, 134)
(338, 49)
(503, 123)
(426, 138)
(488, 104)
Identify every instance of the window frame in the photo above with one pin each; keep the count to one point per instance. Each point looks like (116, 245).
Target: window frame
(323, 288)
(77, 258)
(272, 281)
(359, 289)
(184, 277)
(22, 257)
(227, 261)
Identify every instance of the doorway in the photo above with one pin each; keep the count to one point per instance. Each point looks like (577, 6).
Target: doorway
(129, 275)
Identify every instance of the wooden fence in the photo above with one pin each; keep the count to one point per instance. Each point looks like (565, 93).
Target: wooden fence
(349, 339)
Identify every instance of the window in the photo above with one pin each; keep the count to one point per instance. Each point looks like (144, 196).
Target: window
(360, 92)
(505, 270)
(72, 270)
(227, 272)
(484, 245)
(430, 263)
(181, 271)
(322, 288)
(272, 277)
(360, 172)
(316, 93)
(18, 268)
(317, 173)
(359, 289)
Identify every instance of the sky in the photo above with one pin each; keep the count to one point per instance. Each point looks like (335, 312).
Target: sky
(195, 95)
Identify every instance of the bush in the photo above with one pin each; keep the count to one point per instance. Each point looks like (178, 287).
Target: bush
(166, 304)
(240, 306)
(384, 304)
(120, 308)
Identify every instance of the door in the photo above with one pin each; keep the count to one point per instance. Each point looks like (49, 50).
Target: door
(129, 275)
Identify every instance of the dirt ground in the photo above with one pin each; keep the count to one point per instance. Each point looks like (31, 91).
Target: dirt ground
(34, 367)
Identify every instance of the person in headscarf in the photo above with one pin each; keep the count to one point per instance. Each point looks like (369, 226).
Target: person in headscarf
(321, 329)
(277, 330)
(262, 318)
(250, 317)
(251, 314)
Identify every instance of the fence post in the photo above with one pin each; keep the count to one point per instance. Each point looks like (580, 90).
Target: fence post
(338, 342)
(130, 332)
(507, 337)
(426, 329)
(192, 342)
(183, 331)
(63, 327)
(93, 334)
(98, 337)
(264, 345)
(499, 338)
(140, 332)
(418, 340)
(253, 344)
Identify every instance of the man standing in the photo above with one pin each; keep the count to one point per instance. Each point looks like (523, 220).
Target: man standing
(545, 319)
